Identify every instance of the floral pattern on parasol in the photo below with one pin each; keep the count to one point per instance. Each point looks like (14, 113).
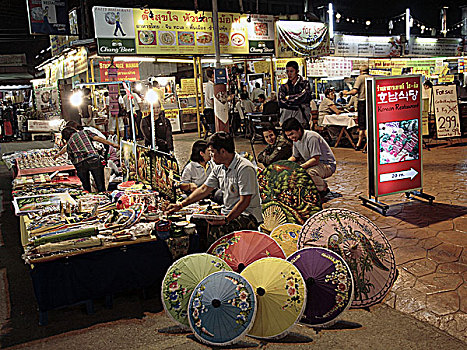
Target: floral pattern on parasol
(222, 308)
(289, 185)
(287, 237)
(362, 245)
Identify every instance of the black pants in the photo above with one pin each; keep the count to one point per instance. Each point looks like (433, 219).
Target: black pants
(96, 168)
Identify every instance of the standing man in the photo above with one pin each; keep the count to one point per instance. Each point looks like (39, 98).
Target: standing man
(209, 101)
(295, 96)
(359, 90)
(278, 147)
(236, 177)
(312, 152)
(85, 109)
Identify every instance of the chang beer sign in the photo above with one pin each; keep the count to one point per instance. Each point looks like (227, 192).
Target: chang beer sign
(261, 34)
(116, 46)
(115, 30)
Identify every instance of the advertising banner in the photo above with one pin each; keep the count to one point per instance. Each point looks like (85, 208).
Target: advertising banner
(436, 47)
(48, 17)
(298, 39)
(366, 46)
(155, 31)
(397, 136)
(127, 71)
(261, 34)
(446, 111)
(115, 30)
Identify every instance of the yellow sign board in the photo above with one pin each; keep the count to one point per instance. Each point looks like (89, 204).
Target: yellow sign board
(446, 78)
(182, 32)
(261, 66)
(188, 86)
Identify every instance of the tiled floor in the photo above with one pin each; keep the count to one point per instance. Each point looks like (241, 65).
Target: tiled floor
(429, 242)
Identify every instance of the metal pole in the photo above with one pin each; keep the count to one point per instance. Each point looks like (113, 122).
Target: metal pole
(195, 71)
(133, 125)
(215, 23)
(153, 127)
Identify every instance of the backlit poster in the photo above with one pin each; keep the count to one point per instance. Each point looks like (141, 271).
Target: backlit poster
(397, 134)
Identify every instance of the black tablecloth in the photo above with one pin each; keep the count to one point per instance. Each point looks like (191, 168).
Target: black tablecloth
(97, 274)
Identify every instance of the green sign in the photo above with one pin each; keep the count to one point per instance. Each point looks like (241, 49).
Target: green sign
(116, 46)
(261, 47)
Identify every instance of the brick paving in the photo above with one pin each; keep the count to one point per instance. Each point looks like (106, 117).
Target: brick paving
(429, 241)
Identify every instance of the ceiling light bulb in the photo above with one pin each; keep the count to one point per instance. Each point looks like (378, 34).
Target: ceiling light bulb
(368, 23)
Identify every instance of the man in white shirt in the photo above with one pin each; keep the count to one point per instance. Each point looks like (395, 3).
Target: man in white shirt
(256, 92)
(209, 101)
(236, 177)
(312, 152)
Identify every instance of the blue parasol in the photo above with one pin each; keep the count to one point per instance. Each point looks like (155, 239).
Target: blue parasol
(222, 308)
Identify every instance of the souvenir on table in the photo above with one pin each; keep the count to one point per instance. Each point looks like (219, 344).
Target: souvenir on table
(363, 246)
(328, 282)
(291, 190)
(144, 164)
(128, 160)
(164, 174)
(28, 204)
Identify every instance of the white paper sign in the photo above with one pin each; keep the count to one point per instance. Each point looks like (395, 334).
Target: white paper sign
(446, 111)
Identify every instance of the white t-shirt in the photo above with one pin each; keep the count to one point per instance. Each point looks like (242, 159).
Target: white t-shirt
(209, 95)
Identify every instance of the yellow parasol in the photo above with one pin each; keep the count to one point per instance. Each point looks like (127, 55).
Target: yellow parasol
(286, 236)
(281, 296)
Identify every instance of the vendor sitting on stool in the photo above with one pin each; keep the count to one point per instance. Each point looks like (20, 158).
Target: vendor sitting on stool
(236, 177)
(278, 147)
(84, 156)
(312, 152)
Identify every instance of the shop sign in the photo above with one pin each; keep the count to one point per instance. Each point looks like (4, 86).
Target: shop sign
(298, 39)
(81, 61)
(261, 34)
(446, 111)
(173, 115)
(396, 130)
(154, 31)
(46, 96)
(12, 60)
(183, 32)
(436, 47)
(220, 76)
(261, 66)
(126, 71)
(188, 86)
(39, 126)
(48, 17)
(59, 43)
(366, 46)
(446, 79)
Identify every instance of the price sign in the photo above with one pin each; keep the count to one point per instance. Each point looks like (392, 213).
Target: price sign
(446, 111)
(395, 154)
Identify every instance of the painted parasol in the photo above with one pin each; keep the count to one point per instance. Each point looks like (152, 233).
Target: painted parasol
(222, 308)
(239, 249)
(287, 237)
(281, 295)
(328, 282)
(180, 280)
(288, 194)
(362, 245)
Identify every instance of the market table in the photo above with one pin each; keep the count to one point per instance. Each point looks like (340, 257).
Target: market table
(345, 121)
(33, 171)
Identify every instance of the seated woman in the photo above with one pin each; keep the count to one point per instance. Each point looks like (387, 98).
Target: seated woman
(164, 139)
(328, 107)
(198, 169)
